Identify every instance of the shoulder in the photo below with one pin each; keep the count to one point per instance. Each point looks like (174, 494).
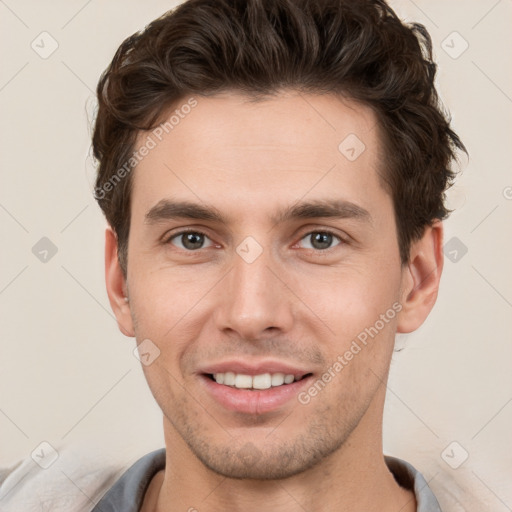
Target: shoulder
(441, 489)
(75, 480)
(410, 478)
(128, 492)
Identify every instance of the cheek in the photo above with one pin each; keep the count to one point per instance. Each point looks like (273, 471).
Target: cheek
(170, 307)
(351, 299)
(358, 353)
(164, 296)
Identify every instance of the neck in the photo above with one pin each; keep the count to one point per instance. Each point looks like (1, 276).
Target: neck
(354, 478)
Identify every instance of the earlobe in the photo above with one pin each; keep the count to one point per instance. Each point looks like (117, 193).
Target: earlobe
(420, 279)
(116, 285)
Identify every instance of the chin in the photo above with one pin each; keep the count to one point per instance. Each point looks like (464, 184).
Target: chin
(272, 461)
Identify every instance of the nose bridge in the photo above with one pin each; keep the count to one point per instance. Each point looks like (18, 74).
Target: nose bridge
(254, 299)
(251, 278)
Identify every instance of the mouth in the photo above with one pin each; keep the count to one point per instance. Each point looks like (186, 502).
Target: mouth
(264, 388)
(261, 381)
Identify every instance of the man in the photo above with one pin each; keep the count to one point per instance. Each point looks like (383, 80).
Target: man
(273, 175)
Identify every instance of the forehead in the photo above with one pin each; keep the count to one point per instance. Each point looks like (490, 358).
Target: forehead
(228, 150)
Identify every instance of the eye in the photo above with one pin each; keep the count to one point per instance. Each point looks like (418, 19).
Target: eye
(189, 240)
(321, 240)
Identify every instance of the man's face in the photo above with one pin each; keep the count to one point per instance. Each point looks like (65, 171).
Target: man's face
(272, 288)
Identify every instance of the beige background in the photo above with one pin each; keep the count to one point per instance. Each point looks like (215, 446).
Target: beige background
(67, 375)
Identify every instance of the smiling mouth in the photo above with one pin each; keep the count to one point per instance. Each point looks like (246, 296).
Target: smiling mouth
(255, 382)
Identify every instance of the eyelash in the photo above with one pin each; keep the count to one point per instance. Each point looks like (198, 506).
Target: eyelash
(343, 241)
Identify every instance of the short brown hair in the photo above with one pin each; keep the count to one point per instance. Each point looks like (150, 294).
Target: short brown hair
(354, 48)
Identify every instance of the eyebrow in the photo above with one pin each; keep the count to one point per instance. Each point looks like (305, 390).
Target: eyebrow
(334, 208)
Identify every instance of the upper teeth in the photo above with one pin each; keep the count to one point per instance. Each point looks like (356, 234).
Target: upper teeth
(262, 381)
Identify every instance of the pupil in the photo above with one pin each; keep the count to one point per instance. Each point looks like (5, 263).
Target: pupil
(322, 240)
(193, 240)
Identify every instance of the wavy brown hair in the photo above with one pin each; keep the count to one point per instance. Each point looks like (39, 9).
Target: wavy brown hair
(354, 48)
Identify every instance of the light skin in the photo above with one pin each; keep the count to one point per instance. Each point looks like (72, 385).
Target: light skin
(301, 302)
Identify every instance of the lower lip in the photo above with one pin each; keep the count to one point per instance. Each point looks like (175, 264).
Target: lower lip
(257, 401)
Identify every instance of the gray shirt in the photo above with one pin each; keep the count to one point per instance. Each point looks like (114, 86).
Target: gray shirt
(127, 494)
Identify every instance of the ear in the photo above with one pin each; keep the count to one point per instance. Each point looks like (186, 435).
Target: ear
(116, 285)
(420, 278)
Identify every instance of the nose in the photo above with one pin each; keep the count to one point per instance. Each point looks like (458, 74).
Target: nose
(256, 301)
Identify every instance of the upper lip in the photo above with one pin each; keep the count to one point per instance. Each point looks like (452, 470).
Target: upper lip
(254, 368)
